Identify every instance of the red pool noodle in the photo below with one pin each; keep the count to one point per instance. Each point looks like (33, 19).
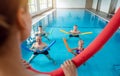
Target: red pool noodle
(96, 45)
(30, 68)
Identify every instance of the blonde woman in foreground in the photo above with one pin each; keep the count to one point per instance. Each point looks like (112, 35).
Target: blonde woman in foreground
(15, 27)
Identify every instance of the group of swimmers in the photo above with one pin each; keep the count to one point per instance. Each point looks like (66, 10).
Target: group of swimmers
(39, 45)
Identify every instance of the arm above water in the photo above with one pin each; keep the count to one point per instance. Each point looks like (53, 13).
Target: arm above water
(74, 49)
(71, 31)
(33, 47)
(44, 45)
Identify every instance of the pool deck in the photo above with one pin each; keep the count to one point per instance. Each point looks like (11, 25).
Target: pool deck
(37, 18)
(100, 14)
(103, 15)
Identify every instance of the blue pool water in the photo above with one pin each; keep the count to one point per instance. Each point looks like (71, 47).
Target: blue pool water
(104, 63)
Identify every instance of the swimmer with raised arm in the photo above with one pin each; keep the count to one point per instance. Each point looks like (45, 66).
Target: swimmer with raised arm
(79, 49)
(15, 27)
(42, 33)
(39, 45)
(75, 32)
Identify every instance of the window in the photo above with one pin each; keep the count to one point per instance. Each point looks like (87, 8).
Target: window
(32, 6)
(36, 6)
(43, 4)
(49, 3)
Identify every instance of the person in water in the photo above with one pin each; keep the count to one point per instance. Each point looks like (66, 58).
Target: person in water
(15, 27)
(39, 46)
(75, 32)
(79, 49)
(42, 33)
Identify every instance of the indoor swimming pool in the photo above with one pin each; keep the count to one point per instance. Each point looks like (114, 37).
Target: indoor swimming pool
(104, 63)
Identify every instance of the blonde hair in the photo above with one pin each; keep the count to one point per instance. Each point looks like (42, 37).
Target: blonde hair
(81, 41)
(8, 15)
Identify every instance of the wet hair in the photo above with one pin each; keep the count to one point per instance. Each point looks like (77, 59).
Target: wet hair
(36, 34)
(8, 16)
(81, 41)
(76, 25)
(40, 26)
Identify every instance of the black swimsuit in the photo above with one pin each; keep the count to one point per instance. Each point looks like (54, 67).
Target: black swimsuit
(71, 35)
(45, 53)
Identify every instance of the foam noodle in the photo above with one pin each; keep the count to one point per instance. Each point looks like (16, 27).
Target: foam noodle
(66, 45)
(64, 31)
(45, 49)
(84, 33)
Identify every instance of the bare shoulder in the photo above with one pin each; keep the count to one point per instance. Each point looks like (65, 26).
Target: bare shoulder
(44, 44)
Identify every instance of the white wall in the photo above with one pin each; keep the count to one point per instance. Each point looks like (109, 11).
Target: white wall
(105, 4)
(118, 5)
(70, 3)
(94, 4)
